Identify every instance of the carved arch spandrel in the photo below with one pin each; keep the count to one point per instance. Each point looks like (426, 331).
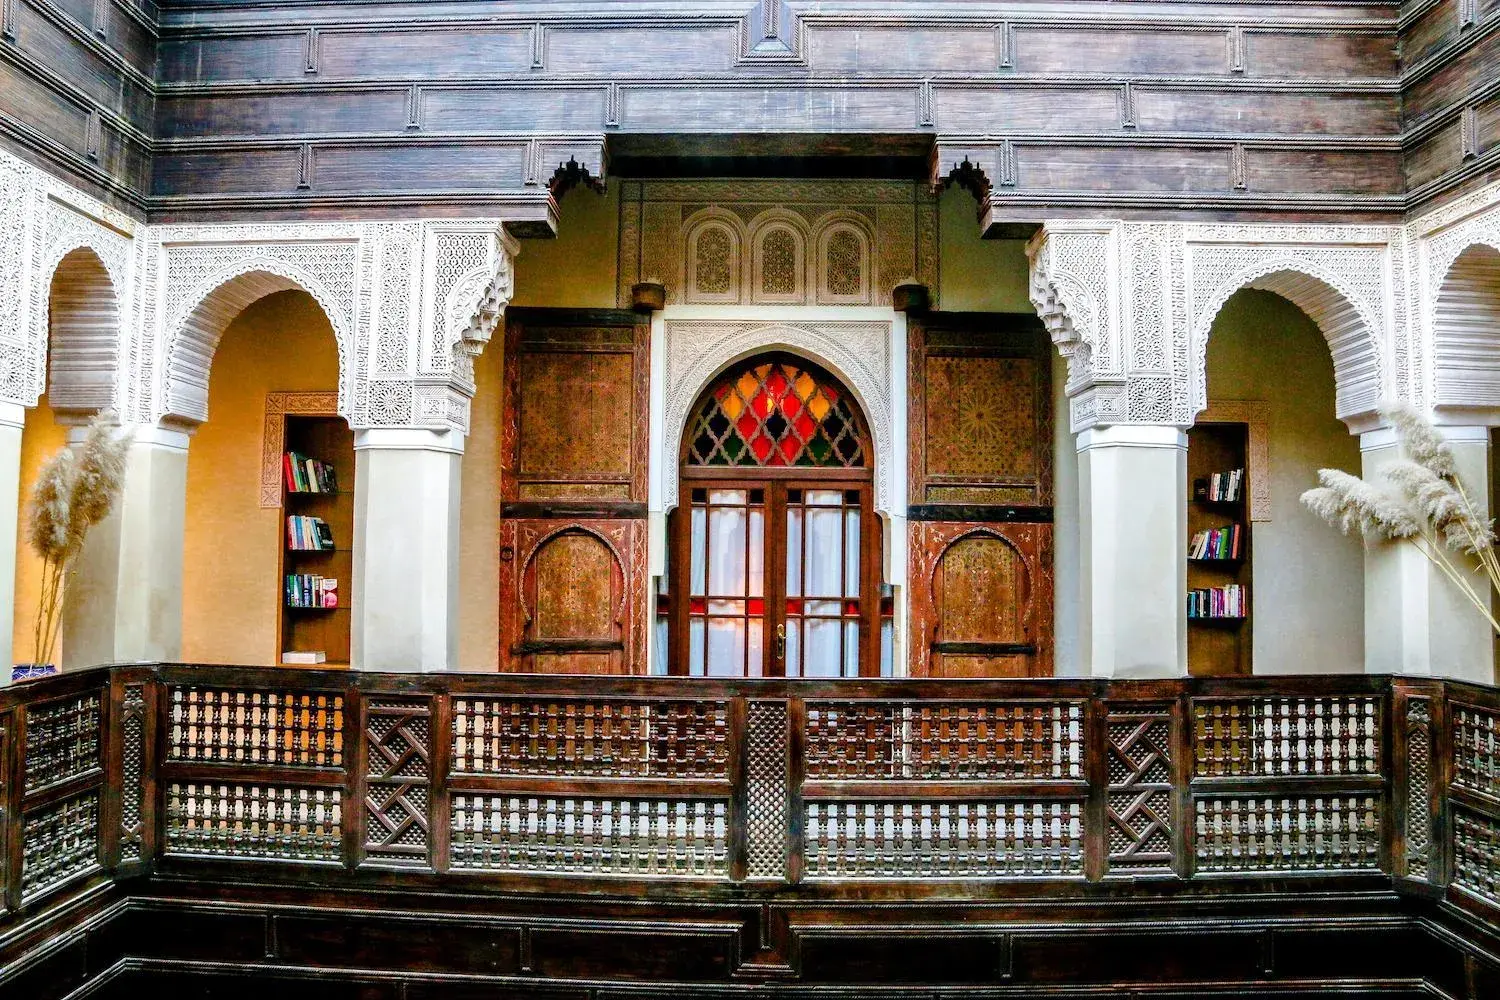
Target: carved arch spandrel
(931, 541)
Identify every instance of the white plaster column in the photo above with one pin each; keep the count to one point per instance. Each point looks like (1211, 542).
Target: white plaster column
(123, 602)
(406, 505)
(1132, 486)
(1417, 621)
(12, 421)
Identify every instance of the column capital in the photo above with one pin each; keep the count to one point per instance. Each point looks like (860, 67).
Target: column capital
(446, 440)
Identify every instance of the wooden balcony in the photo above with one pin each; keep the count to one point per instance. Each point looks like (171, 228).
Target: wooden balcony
(202, 828)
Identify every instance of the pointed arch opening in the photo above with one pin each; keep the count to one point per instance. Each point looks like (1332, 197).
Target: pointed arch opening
(774, 546)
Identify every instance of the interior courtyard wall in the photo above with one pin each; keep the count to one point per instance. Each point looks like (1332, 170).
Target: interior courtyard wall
(479, 517)
(41, 438)
(1307, 588)
(976, 274)
(231, 543)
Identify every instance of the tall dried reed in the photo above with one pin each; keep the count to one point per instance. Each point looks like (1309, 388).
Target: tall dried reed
(1423, 500)
(75, 490)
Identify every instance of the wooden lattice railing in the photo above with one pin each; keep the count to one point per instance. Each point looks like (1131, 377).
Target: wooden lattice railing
(730, 789)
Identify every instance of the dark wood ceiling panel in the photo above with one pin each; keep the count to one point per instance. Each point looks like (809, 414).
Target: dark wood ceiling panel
(1358, 172)
(279, 113)
(476, 167)
(1094, 108)
(1061, 50)
(1324, 55)
(492, 109)
(881, 50)
(424, 54)
(681, 50)
(1161, 169)
(1289, 112)
(260, 56)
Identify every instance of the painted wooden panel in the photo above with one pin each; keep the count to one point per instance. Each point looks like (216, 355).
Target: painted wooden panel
(980, 411)
(980, 599)
(576, 407)
(572, 595)
(577, 416)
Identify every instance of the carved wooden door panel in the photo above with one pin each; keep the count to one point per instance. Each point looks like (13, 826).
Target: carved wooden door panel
(573, 490)
(981, 497)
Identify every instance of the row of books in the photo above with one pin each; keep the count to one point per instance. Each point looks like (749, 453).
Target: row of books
(308, 475)
(1218, 543)
(1227, 601)
(308, 534)
(1221, 487)
(308, 590)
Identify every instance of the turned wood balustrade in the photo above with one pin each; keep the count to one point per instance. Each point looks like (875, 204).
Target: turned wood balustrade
(888, 789)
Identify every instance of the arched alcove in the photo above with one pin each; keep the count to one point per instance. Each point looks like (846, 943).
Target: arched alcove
(1271, 372)
(279, 344)
(1466, 331)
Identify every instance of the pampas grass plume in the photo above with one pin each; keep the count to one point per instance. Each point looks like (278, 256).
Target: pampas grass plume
(1420, 439)
(51, 506)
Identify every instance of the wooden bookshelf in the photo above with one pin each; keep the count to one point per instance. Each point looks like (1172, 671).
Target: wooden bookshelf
(329, 440)
(1219, 647)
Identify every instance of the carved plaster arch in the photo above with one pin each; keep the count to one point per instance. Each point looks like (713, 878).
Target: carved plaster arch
(855, 352)
(1349, 325)
(80, 321)
(1466, 326)
(216, 302)
(1070, 286)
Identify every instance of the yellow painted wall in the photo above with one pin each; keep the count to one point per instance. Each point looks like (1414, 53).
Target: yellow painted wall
(578, 268)
(976, 274)
(232, 545)
(41, 438)
(479, 519)
(1307, 586)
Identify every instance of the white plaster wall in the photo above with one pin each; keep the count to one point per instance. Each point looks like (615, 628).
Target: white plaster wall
(1307, 587)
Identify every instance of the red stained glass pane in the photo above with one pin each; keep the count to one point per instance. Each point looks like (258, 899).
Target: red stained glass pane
(756, 606)
(776, 413)
(698, 606)
(851, 608)
(887, 607)
(794, 605)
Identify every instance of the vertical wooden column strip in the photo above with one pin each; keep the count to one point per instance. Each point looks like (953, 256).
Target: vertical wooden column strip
(356, 751)
(441, 814)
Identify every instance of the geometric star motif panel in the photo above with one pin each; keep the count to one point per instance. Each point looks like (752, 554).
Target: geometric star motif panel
(397, 774)
(1139, 804)
(784, 412)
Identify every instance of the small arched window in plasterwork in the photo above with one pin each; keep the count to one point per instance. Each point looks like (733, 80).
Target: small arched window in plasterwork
(713, 262)
(845, 266)
(779, 264)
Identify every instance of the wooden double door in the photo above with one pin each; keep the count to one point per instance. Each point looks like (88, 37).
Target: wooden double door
(775, 576)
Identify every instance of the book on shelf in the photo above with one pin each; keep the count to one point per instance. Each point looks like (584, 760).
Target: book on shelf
(1220, 487)
(308, 475)
(1227, 601)
(1226, 542)
(308, 534)
(309, 590)
(304, 656)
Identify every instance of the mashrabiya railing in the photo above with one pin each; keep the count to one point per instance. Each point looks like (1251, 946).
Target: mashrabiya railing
(822, 785)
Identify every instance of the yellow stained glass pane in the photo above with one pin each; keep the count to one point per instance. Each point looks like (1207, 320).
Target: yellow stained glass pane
(747, 384)
(804, 385)
(818, 406)
(732, 405)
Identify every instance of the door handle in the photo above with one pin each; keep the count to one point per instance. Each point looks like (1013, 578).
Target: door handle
(781, 641)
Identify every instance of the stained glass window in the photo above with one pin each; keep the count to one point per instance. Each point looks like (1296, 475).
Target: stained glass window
(776, 413)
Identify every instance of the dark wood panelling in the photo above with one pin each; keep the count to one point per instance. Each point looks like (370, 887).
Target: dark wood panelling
(1331, 55)
(708, 107)
(278, 56)
(468, 51)
(1244, 110)
(512, 109)
(1150, 169)
(1454, 78)
(1028, 109)
(682, 50)
(1435, 155)
(277, 114)
(886, 49)
(1370, 172)
(211, 171)
(103, 80)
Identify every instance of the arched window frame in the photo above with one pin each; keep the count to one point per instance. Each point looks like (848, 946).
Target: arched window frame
(765, 225)
(698, 225)
(828, 230)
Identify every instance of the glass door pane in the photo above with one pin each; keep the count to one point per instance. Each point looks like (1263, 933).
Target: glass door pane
(823, 600)
(726, 582)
